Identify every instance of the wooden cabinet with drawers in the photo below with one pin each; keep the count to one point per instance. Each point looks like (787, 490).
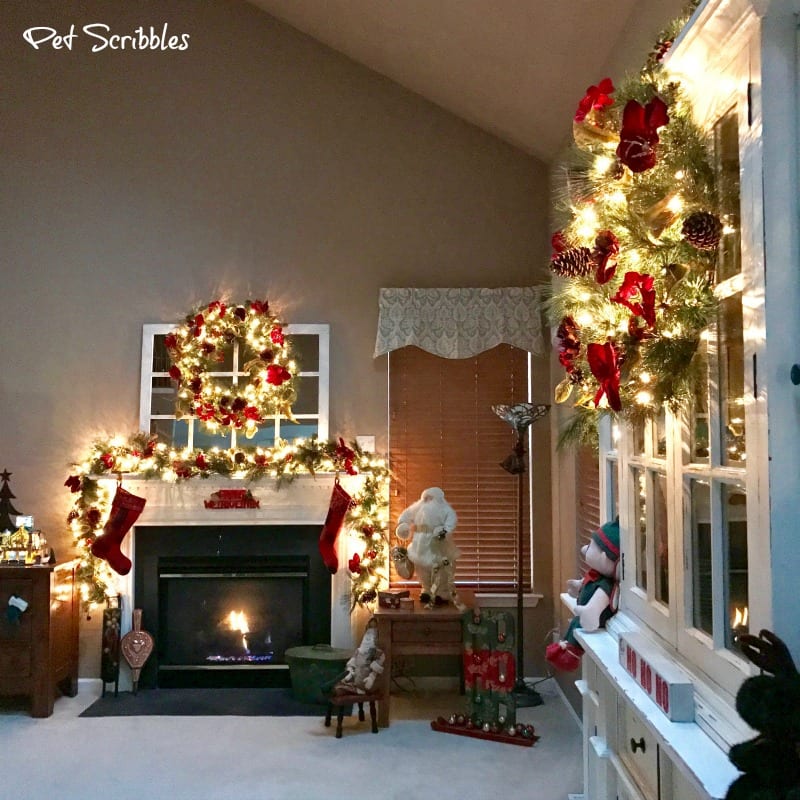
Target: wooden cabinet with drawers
(39, 650)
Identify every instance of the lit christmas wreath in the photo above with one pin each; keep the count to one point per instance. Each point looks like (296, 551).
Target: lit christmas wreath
(199, 345)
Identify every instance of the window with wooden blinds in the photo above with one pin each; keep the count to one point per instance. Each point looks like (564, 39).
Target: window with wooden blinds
(587, 493)
(443, 432)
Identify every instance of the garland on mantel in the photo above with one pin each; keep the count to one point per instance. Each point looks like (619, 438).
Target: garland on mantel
(143, 456)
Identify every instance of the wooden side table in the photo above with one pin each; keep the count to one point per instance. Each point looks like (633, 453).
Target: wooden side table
(431, 632)
(40, 652)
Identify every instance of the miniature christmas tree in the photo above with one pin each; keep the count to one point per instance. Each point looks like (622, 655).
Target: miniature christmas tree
(7, 510)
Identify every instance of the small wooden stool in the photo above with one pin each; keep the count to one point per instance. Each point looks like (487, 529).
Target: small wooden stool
(342, 700)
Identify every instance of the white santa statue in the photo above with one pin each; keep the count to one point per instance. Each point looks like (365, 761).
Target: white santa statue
(431, 521)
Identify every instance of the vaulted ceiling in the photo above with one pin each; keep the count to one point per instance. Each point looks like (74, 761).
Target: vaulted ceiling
(515, 68)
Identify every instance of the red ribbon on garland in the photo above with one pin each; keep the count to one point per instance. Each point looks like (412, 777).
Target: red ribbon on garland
(603, 364)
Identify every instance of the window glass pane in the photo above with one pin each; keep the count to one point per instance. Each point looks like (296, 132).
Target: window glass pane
(172, 432)
(726, 146)
(702, 607)
(731, 380)
(223, 359)
(640, 530)
(613, 484)
(305, 350)
(699, 410)
(204, 439)
(161, 360)
(263, 437)
(660, 538)
(162, 399)
(307, 401)
(660, 434)
(734, 511)
(637, 430)
(302, 429)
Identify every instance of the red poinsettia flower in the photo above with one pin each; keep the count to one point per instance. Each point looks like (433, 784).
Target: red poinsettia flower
(276, 374)
(606, 250)
(638, 295)
(108, 460)
(216, 305)
(276, 334)
(367, 530)
(260, 459)
(199, 322)
(603, 364)
(251, 412)
(200, 461)
(74, 483)
(171, 341)
(354, 564)
(260, 307)
(182, 470)
(149, 448)
(639, 135)
(174, 373)
(596, 98)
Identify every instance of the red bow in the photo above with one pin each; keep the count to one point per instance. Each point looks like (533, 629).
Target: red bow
(638, 286)
(354, 564)
(639, 135)
(603, 364)
(606, 250)
(596, 98)
(346, 455)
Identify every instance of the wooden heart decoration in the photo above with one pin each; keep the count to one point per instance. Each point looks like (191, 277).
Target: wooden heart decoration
(136, 646)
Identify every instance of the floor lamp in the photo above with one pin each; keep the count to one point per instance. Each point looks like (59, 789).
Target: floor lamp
(520, 416)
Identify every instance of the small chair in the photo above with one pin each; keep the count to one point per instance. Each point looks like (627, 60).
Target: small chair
(342, 700)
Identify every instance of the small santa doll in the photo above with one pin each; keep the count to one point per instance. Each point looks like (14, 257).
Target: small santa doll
(431, 521)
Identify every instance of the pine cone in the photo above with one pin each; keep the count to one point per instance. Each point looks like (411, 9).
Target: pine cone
(573, 263)
(702, 230)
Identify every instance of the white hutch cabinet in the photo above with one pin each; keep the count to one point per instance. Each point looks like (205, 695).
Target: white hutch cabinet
(708, 499)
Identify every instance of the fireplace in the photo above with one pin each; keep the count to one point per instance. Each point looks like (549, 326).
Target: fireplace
(176, 524)
(225, 603)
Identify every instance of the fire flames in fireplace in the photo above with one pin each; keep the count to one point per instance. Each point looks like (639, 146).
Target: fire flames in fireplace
(237, 644)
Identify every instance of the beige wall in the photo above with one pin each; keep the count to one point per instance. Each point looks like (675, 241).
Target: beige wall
(257, 163)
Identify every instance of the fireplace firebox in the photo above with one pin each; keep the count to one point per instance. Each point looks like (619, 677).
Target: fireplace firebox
(224, 604)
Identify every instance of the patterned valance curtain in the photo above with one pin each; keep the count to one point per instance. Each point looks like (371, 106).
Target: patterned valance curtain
(460, 323)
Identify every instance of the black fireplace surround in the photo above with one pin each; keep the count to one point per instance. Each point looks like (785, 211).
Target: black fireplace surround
(189, 579)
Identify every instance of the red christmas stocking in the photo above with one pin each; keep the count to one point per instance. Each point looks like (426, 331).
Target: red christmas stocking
(340, 502)
(125, 510)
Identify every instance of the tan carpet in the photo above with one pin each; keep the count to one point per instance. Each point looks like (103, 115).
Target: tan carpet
(285, 758)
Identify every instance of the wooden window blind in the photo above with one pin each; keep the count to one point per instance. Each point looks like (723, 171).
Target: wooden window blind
(443, 432)
(587, 492)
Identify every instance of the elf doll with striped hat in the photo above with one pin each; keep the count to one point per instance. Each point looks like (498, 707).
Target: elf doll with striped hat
(596, 595)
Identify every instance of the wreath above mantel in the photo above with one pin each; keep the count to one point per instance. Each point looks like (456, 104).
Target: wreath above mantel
(198, 347)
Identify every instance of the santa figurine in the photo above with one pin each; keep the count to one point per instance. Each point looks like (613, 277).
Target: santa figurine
(429, 523)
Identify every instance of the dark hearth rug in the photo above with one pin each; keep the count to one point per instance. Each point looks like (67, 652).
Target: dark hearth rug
(203, 703)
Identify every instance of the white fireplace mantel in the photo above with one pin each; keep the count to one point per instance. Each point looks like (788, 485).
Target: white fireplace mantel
(302, 501)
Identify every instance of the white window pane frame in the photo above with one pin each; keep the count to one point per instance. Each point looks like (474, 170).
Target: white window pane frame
(322, 331)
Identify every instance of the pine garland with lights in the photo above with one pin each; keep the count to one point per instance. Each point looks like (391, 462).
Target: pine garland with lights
(143, 456)
(199, 346)
(639, 194)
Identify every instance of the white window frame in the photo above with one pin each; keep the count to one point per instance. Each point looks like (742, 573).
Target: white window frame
(321, 331)
(735, 69)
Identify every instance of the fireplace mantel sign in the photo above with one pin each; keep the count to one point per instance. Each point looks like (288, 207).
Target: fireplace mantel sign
(232, 498)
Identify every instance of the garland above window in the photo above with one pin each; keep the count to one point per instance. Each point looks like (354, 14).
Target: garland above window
(199, 346)
(634, 262)
(144, 456)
